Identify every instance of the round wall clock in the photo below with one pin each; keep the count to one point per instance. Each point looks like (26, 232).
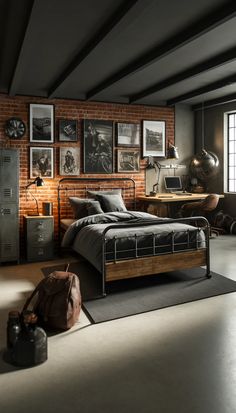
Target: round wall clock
(15, 128)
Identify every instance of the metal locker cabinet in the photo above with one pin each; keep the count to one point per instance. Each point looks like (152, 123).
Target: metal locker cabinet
(9, 205)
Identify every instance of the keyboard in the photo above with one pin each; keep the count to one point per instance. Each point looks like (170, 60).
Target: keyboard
(183, 193)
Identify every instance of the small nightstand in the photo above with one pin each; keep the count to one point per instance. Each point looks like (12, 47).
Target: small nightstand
(39, 235)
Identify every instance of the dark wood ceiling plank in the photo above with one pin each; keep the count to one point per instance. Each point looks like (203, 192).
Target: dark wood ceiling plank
(190, 33)
(227, 81)
(103, 31)
(215, 102)
(216, 61)
(13, 85)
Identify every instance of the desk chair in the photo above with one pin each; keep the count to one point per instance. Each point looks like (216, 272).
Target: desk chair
(201, 208)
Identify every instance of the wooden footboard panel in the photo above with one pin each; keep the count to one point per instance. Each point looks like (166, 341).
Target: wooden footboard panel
(155, 264)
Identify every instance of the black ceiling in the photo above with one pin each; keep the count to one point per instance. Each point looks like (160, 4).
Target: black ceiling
(154, 52)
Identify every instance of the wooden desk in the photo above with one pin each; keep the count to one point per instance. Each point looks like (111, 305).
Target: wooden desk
(158, 205)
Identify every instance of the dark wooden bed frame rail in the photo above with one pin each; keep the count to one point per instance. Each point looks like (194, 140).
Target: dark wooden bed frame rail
(139, 266)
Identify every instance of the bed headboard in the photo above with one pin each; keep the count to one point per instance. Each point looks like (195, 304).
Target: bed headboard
(78, 187)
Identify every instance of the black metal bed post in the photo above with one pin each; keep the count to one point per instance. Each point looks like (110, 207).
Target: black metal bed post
(104, 266)
(59, 217)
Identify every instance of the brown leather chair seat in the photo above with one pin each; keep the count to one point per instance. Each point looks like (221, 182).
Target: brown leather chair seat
(201, 208)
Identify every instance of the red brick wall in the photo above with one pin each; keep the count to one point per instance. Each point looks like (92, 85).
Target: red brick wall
(71, 109)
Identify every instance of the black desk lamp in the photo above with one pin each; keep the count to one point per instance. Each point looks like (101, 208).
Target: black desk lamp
(172, 153)
(152, 164)
(38, 182)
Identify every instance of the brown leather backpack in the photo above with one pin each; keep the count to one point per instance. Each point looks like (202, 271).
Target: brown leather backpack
(57, 300)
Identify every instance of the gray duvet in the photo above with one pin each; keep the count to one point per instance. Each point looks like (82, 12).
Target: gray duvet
(85, 236)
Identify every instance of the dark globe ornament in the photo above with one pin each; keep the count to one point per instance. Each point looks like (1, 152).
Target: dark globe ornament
(204, 165)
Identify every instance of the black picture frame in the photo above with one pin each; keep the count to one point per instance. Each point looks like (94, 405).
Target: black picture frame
(154, 138)
(67, 130)
(98, 146)
(128, 161)
(41, 123)
(128, 134)
(41, 162)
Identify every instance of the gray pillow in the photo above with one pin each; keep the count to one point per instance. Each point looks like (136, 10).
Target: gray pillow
(93, 194)
(111, 202)
(94, 207)
(80, 206)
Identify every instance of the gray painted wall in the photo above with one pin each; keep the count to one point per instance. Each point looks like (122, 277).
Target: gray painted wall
(213, 139)
(184, 140)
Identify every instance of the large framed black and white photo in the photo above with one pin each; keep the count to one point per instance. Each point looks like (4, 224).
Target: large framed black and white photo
(67, 129)
(154, 138)
(128, 160)
(41, 162)
(69, 160)
(98, 146)
(128, 134)
(41, 121)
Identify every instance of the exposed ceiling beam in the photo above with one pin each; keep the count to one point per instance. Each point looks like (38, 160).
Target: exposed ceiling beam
(227, 81)
(3, 32)
(13, 84)
(190, 33)
(195, 70)
(103, 31)
(216, 102)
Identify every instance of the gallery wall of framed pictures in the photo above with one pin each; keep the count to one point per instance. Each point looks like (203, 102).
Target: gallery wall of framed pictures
(50, 137)
(103, 147)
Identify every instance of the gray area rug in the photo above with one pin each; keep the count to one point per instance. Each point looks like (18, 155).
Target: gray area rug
(129, 297)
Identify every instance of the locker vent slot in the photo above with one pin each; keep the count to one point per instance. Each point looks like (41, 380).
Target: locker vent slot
(6, 159)
(6, 211)
(6, 246)
(7, 192)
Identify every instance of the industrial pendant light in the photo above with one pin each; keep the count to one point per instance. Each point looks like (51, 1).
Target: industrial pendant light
(204, 165)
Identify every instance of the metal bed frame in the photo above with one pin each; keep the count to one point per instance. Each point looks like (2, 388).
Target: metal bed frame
(67, 185)
(142, 262)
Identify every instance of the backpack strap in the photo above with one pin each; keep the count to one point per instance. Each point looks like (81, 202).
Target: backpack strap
(32, 295)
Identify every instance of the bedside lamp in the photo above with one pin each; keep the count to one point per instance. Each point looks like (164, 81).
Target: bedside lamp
(38, 182)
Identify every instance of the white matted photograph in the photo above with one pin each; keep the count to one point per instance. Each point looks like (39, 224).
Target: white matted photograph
(69, 160)
(41, 162)
(128, 161)
(154, 138)
(128, 134)
(41, 121)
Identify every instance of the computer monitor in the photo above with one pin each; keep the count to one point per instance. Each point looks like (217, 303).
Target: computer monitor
(173, 183)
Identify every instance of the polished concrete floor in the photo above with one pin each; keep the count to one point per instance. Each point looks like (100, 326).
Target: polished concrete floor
(175, 360)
